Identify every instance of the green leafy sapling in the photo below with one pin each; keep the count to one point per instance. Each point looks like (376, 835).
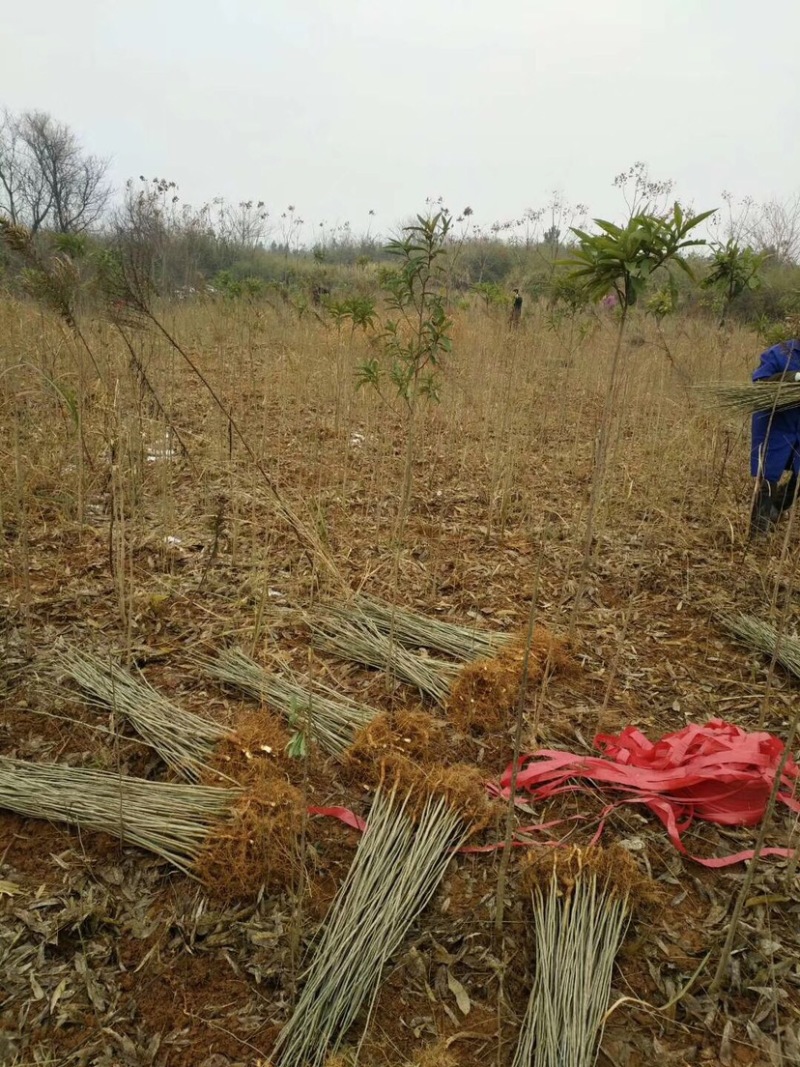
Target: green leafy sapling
(415, 334)
(623, 260)
(416, 337)
(733, 271)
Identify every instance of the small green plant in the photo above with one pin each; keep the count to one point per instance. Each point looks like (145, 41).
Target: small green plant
(253, 287)
(492, 294)
(659, 306)
(663, 302)
(74, 245)
(358, 310)
(774, 333)
(417, 335)
(225, 283)
(414, 340)
(297, 746)
(733, 270)
(568, 313)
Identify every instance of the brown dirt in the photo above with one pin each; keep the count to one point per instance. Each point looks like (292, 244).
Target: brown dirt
(331, 849)
(464, 788)
(408, 735)
(185, 998)
(419, 755)
(436, 1055)
(255, 748)
(614, 868)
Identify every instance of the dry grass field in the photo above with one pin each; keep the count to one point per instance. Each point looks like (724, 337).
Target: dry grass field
(118, 542)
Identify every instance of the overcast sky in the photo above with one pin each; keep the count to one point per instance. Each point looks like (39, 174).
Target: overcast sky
(342, 106)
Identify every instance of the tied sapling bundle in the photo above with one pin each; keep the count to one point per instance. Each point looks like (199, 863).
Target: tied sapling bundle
(183, 740)
(765, 638)
(477, 695)
(350, 635)
(760, 396)
(418, 631)
(173, 821)
(333, 719)
(582, 901)
(400, 861)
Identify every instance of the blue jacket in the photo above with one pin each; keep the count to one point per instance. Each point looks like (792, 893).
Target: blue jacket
(781, 451)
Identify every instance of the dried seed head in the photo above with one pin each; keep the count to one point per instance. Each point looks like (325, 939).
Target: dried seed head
(18, 238)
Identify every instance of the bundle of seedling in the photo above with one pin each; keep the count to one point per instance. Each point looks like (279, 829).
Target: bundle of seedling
(257, 825)
(477, 696)
(413, 630)
(235, 840)
(183, 740)
(765, 638)
(759, 396)
(331, 719)
(173, 821)
(399, 863)
(345, 632)
(582, 901)
(419, 814)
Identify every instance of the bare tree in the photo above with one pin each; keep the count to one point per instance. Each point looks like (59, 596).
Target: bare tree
(244, 225)
(24, 195)
(47, 180)
(735, 221)
(141, 227)
(777, 229)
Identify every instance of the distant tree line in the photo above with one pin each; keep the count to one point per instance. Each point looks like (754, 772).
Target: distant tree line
(55, 189)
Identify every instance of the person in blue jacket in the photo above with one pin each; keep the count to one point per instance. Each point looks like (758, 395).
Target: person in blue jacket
(775, 446)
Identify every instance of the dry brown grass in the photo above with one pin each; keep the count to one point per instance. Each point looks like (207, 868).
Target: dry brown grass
(110, 538)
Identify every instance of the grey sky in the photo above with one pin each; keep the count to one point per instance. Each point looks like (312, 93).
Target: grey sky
(339, 107)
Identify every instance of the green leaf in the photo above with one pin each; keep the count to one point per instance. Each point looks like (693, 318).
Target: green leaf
(296, 747)
(609, 227)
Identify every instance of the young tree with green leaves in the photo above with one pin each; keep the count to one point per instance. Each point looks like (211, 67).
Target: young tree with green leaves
(416, 333)
(623, 260)
(733, 270)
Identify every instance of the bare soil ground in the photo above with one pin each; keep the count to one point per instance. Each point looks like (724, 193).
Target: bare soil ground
(110, 541)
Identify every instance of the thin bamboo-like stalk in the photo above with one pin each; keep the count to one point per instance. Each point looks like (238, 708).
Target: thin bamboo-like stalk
(334, 720)
(173, 821)
(578, 932)
(359, 640)
(395, 872)
(766, 639)
(418, 631)
(760, 396)
(181, 738)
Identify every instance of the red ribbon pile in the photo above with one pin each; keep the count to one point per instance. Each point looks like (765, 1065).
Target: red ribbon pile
(717, 772)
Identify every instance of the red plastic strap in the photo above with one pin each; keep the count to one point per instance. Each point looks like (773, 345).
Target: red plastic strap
(345, 815)
(718, 773)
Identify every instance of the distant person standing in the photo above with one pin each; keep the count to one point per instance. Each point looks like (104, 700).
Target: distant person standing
(516, 310)
(775, 441)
